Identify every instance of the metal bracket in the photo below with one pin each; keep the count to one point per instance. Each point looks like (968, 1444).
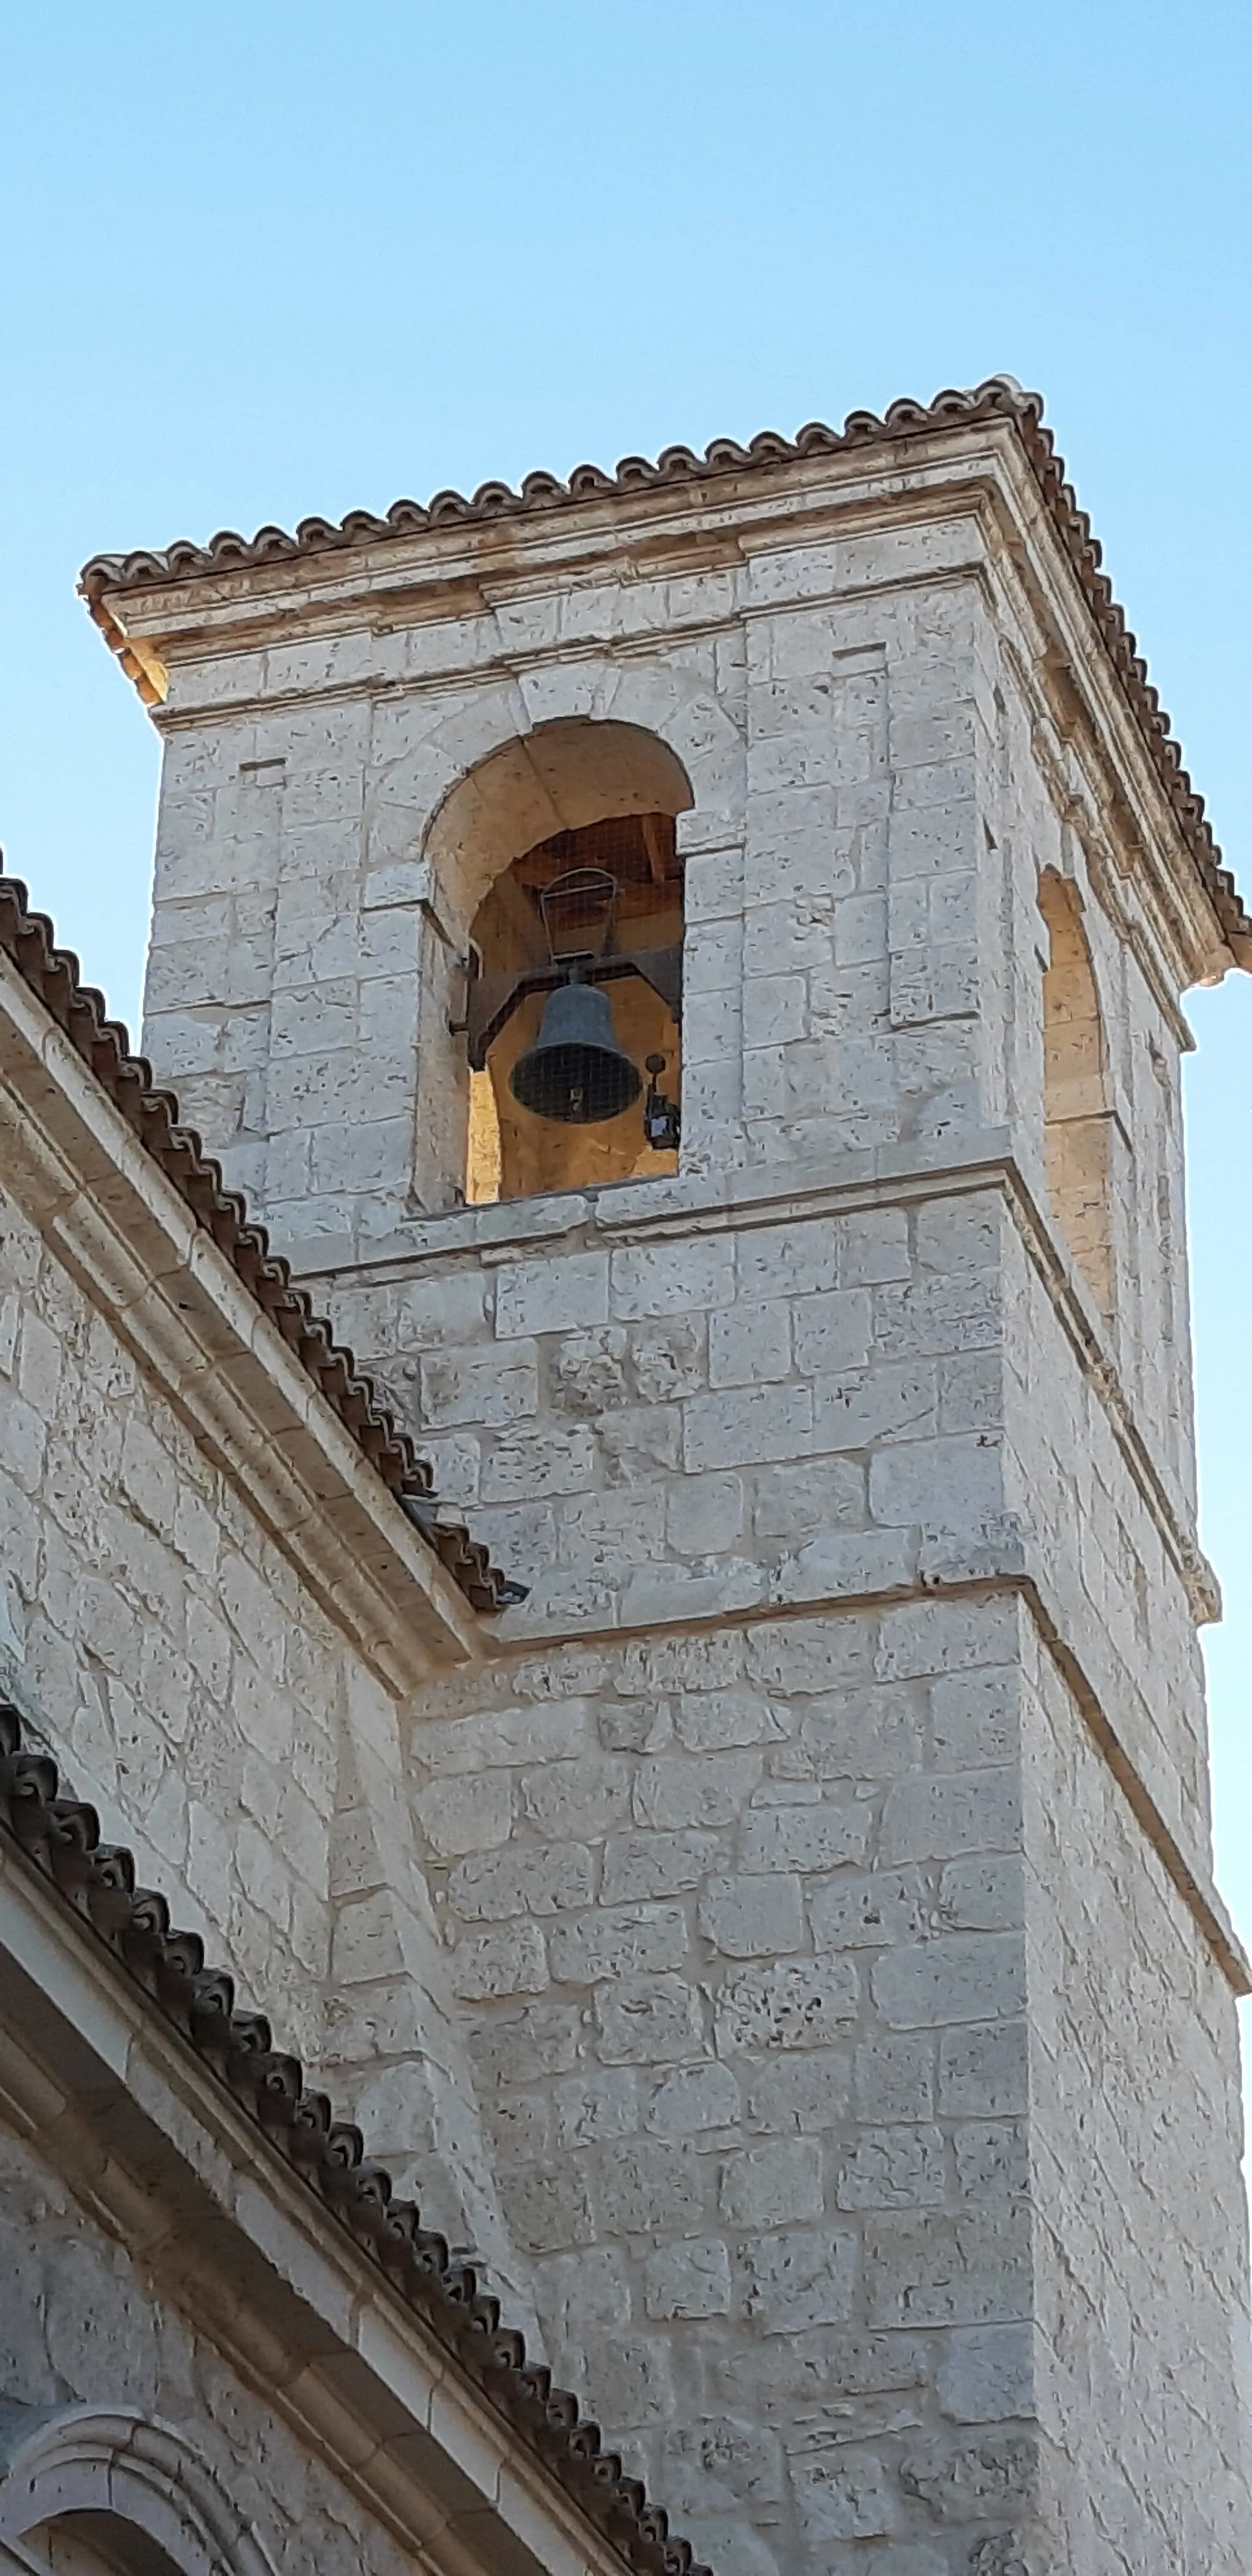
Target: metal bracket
(492, 999)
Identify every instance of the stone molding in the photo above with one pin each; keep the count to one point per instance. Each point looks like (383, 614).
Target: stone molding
(287, 2244)
(688, 1206)
(106, 1210)
(997, 406)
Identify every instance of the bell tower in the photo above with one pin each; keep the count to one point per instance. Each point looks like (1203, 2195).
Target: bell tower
(822, 1848)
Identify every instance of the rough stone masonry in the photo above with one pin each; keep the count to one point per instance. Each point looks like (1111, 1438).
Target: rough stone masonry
(820, 1858)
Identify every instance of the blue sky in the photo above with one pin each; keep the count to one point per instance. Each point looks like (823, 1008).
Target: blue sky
(279, 260)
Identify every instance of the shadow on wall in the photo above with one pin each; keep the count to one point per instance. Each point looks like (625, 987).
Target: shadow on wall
(1076, 1099)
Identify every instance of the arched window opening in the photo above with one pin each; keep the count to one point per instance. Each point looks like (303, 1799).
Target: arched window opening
(573, 1012)
(1075, 1090)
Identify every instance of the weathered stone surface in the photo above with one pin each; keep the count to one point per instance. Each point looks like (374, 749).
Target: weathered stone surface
(767, 1868)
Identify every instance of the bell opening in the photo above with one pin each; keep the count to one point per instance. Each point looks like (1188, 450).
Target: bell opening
(560, 1102)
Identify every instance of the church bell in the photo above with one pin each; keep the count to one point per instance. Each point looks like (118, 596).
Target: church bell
(576, 1071)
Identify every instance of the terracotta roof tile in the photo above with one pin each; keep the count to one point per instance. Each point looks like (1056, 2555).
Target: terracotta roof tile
(998, 398)
(60, 1837)
(53, 975)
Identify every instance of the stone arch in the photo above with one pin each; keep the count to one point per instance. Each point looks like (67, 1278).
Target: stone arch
(565, 775)
(123, 2492)
(1076, 1099)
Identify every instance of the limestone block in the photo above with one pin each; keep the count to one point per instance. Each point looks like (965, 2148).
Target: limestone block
(987, 2373)
(945, 1814)
(847, 1562)
(799, 1501)
(788, 1261)
(894, 2168)
(636, 2377)
(868, 1909)
(800, 2003)
(748, 1918)
(619, 1941)
(992, 2159)
(807, 2092)
(673, 1790)
(501, 1963)
(656, 1864)
(894, 2076)
(648, 2021)
(470, 1814)
(525, 1466)
(806, 1838)
(587, 1372)
(690, 2098)
(665, 1280)
(811, 1656)
(850, 2498)
(528, 1879)
(984, 2070)
(855, 1408)
(982, 1895)
(832, 1332)
(552, 1296)
(547, 2206)
(639, 2177)
(579, 1800)
(925, 2269)
(591, 2106)
(764, 2185)
(704, 1517)
(749, 1343)
(747, 1426)
(712, 1722)
(958, 1977)
(480, 1386)
(802, 2277)
(688, 2280)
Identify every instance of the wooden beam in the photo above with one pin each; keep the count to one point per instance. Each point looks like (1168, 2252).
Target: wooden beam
(654, 846)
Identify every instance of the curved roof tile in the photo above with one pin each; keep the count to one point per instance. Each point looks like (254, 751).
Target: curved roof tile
(53, 975)
(1000, 397)
(60, 1837)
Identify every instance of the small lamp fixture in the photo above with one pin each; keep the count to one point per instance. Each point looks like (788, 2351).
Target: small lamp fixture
(661, 1121)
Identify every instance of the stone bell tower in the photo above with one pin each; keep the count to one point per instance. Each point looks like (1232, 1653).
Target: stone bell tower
(822, 1849)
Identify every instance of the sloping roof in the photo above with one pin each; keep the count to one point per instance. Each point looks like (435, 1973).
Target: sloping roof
(999, 398)
(60, 1836)
(52, 973)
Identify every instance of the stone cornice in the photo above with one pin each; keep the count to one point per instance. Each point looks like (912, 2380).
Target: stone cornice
(106, 1209)
(131, 597)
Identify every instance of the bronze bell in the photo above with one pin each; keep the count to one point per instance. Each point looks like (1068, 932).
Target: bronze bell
(576, 1071)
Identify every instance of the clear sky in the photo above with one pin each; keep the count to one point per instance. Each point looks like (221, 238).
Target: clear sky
(268, 260)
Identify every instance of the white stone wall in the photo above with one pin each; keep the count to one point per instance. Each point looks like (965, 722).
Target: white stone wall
(158, 1638)
(737, 1846)
(1140, 2221)
(738, 1923)
(86, 2323)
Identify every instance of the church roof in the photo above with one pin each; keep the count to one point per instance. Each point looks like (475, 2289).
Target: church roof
(104, 1045)
(60, 1837)
(999, 398)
